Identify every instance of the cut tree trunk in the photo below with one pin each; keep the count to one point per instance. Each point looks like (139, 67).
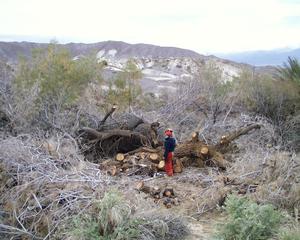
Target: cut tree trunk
(161, 165)
(120, 157)
(195, 137)
(154, 157)
(226, 140)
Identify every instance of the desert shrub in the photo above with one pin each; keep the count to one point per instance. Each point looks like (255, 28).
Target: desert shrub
(291, 131)
(48, 85)
(125, 89)
(206, 94)
(111, 222)
(290, 234)
(112, 219)
(213, 94)
(276, 100)
(265, 96)
(248, 220)
(290, 70)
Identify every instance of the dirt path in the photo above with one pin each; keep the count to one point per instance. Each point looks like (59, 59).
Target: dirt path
(198, 232)
(204, 229)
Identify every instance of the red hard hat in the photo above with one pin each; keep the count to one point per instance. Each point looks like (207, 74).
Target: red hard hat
(169, 132)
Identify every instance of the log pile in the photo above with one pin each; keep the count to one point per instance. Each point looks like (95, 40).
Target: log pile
(164, 195)
(136, 150)
(148, 161)
(143, 161)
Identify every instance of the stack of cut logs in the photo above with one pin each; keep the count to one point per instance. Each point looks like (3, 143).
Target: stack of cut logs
(143, 161)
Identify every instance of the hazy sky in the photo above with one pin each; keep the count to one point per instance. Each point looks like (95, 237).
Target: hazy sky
(208, 26)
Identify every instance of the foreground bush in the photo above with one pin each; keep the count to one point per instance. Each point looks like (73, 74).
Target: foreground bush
(293, 234)
(112, 219)
(248, 220)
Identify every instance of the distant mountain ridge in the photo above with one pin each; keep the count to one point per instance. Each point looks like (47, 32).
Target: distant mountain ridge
(12, 50)
(163, 68)
(263, 58)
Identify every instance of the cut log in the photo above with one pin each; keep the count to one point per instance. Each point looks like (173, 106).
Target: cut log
(195, 137)
(108, 163)
(178, 166)
(120, 157)
(204, 150)
(90, 133)
(144, 149)
(153, 191)
(113, 171)
(168, 192)
(187, 150)
(225, 140)
(154, 157)
(161, 165)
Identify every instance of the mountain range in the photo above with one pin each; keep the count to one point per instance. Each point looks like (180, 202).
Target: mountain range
(12, 50)
(163, 68)
(263, 58)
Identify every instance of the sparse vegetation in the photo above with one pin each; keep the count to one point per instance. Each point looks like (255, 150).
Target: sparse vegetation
(49, 188)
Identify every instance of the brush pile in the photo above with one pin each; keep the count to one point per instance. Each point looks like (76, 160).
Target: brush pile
(133, 146)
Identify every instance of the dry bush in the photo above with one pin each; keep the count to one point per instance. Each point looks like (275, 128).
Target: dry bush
(261, 163)
(40, 191)
(281, 181)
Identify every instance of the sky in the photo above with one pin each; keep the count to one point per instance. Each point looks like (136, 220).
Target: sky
(207, 27)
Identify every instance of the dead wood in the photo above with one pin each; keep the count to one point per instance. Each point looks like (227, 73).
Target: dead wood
(226, 140)
(154, 157)
(195, 137)
(167, 195)
(204, 150)
(138, 144)
(112, 110)
(178, 167)
(161, 165)
(120, 157)
(153, 191)
(168, 192)
(144, 149)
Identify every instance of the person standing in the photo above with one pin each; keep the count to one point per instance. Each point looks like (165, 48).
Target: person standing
(169, 144)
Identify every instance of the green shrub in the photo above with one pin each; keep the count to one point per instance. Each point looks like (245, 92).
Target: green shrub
(125, 90)
(112, 220)
(290, 70)
(290, 235)
(248, 220)
(50, 84)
